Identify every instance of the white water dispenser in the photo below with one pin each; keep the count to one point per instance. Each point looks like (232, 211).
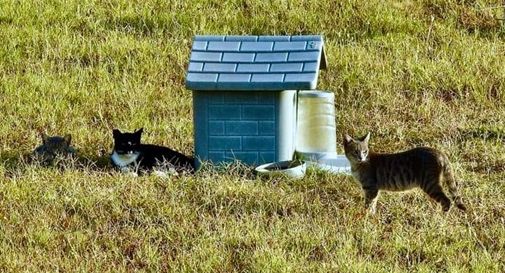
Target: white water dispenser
(316, 139)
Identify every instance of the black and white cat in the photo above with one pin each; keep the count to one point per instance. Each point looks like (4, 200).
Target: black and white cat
(130, 155)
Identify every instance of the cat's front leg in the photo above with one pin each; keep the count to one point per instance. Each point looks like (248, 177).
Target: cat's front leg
(371, 196)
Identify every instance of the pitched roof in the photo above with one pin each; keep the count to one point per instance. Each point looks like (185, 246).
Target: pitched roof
(255, 62)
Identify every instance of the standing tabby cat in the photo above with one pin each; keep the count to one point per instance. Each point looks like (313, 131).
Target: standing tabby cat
(421, 167)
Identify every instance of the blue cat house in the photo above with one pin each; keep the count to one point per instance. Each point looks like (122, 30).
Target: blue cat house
(245, 94)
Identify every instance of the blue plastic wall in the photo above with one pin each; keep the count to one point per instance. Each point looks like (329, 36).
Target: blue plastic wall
(252, 127)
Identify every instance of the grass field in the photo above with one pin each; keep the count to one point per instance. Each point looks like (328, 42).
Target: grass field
(427, 72)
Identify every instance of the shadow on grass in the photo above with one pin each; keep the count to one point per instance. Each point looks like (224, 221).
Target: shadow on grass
(16, 164)
(485, 133)
(6, 20)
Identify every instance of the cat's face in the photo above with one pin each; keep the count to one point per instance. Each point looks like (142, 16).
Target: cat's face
(126, 143)
(52, 147)
(356, 150)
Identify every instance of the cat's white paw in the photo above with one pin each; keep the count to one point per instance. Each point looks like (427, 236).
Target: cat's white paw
(159, 173)
(373, 210)
(129, 172)
(373, 206)
(132, 174)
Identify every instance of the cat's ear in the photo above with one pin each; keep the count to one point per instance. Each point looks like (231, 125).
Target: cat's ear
(44, 137)
(68, 139)
(139, 131)
(366, 138)
(347, 138)
(116, 133)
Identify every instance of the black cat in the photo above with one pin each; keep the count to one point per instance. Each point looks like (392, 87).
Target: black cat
(130, 155)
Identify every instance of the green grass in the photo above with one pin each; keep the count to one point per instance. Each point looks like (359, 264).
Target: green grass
(427, 72)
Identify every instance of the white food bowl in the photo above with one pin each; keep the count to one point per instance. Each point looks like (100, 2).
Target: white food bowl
(330, 162)
(294, 169)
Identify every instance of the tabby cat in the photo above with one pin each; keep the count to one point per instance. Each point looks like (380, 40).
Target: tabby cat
(421, 167)
(53, 147)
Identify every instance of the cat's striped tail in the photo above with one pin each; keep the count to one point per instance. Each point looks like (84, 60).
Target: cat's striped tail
(453, 189)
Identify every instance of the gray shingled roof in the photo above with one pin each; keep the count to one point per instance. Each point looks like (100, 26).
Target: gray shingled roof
(255, 62)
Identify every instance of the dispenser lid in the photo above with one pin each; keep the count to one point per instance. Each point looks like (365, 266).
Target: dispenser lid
(316, 94)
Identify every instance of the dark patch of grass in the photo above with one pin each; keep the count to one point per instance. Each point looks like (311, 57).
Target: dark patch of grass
(484, 132)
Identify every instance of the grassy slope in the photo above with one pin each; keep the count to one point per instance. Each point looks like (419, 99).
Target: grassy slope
(424, 72)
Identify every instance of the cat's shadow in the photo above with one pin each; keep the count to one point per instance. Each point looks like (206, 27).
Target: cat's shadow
(16, 164)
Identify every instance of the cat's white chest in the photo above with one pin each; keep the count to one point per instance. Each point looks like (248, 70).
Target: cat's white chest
(124, 160)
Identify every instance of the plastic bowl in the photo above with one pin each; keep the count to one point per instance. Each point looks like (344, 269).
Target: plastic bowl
(331, 162)
(294, 169)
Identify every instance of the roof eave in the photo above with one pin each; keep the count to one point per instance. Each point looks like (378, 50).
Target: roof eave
(260, 86)
(324, 62)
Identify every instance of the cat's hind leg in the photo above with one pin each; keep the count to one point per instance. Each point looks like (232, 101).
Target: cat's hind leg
(451, 184)
(434, 190)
